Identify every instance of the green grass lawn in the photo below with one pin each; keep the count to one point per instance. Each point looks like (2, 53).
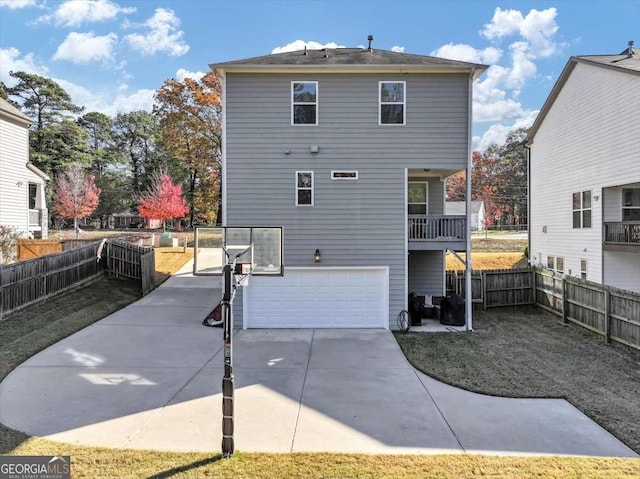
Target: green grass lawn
(530, 353)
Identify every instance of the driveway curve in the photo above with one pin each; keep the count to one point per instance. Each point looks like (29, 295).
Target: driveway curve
(149, 377)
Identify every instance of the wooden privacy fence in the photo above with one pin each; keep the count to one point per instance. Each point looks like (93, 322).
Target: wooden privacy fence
(125, 260)
(611, 312)
(27, 282)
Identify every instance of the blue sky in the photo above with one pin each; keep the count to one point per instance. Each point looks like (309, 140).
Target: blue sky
(111, 55)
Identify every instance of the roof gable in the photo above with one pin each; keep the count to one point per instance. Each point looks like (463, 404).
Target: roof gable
(347, 58)
(624, 63)
(9, 111)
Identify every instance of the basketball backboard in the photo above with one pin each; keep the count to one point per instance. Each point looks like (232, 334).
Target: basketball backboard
(258, 248)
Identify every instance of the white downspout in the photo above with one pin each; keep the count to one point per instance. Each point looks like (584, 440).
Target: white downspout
(223, 152)
(468, 294)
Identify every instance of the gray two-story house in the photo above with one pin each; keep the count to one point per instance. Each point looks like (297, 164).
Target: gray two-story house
(347, 149)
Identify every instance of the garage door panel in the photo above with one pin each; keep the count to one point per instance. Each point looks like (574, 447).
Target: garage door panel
(319, 297)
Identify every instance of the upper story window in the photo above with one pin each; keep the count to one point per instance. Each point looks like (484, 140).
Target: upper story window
(417, 197)
(582, 209)
(304, 103)
(392, 102)
(304, 188)
(630, 204)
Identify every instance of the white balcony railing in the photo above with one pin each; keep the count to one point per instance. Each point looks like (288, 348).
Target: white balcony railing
(35, 217)
(437, 228)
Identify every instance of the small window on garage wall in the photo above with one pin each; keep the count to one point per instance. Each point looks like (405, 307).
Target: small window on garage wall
(583, 269)
(344, 175)
(551, 262)
(560, 264)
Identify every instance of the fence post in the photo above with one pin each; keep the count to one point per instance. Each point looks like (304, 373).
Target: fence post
(564, 300)
(153, 239)
(483, 283)
(607, 315)
(534, 295)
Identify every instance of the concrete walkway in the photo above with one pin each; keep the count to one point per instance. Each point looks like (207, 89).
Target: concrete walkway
(149, 377)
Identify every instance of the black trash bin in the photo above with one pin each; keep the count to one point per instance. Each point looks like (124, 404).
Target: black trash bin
(452, 310)
(416, 309)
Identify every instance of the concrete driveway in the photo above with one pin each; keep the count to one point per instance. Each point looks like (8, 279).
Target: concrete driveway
(149, 377)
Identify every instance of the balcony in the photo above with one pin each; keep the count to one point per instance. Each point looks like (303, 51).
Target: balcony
(35, 217)
(437, 232)
(622, 236)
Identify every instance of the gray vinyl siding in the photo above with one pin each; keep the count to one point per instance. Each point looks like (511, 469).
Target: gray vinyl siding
(353, 223)
(426, 273)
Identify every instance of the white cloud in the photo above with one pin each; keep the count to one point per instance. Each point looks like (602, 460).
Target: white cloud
(181, 74)
(139, 100)
(397, 49)
(12, 61)
(467, 53)
(497, 134)
(76, 12)
(503, 23)
(300, 44)
(15, 4)
(163, 35)
(86, 47)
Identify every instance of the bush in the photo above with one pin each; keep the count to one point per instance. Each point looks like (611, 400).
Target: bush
(8, 241)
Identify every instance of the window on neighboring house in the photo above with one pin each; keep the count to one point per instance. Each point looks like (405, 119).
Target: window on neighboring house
(560, 264)
(630, 204)
(582, 209)
(304, 188)
(583, 269)
(417, 198)
(304, 103)
(344, 175)
(551, 263)
(33, 193)
(392, 102)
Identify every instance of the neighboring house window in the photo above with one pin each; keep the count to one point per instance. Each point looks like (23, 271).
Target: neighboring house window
(551, 264)
(392, 102)
(417, 197)
(583, 269)
(344, 175)
(560, 264)
(582, 209)
(304, 103)
(304, 188)
(33, 193)
(630, 204)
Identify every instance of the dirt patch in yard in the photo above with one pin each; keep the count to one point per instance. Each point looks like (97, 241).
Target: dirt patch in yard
(499, 244)
(530, 353)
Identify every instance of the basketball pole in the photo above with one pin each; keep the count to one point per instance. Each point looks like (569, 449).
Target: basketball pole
(227, 379)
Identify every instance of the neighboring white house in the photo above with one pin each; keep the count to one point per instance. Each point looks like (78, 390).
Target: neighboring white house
(477, 212)
(584, 159)
(22, 185)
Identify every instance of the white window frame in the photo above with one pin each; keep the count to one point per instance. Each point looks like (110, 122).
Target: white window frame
(632, 207)
(426, 201)
(404, 103)
(552, 260)
(333, 172)
(558, 269)
(583, 271)
(299, 188)
(316, 103)
(582, 209)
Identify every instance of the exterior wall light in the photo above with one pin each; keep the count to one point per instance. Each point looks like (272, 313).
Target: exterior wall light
(317, 257)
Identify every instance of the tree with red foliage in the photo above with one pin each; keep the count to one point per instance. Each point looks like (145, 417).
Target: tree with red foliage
(75, 195)
(162, 200)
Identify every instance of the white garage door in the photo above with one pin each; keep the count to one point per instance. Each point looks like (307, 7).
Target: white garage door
(319, 298)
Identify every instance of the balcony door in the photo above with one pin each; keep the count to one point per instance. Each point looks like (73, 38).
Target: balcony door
(418, 198)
